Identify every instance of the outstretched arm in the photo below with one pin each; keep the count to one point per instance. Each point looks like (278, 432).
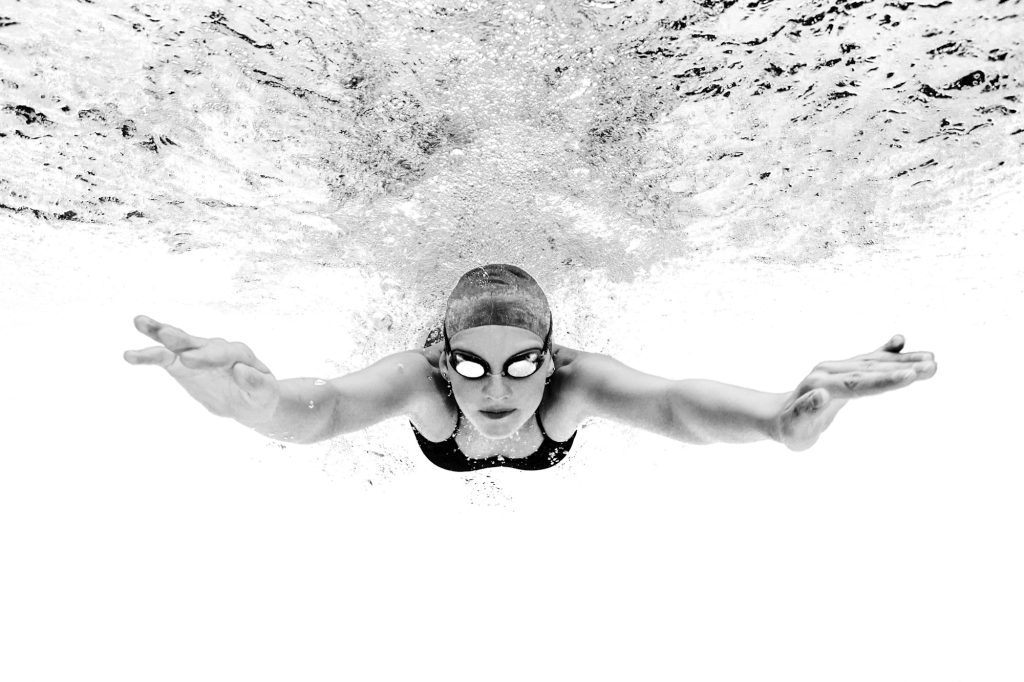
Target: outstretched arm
(704, 411)
(230, 381)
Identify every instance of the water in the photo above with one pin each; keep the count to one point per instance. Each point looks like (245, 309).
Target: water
(715, 189)
(580, 136)
(587, 139)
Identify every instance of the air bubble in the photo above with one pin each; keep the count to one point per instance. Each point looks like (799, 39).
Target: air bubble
(319, 382)
(311, 404)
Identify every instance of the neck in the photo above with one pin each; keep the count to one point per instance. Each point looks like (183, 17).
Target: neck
(522, 442)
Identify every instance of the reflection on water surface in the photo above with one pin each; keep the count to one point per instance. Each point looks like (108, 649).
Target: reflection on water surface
(414, 139)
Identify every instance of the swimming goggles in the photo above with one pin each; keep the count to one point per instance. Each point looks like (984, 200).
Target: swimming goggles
(519, 366)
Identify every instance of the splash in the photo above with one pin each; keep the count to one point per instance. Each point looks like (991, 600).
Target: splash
(415, 140)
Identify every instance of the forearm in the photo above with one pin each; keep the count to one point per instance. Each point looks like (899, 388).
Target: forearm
(304, 412)
(705, 411)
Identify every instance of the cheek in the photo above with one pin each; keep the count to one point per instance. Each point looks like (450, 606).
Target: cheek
(467, 392)
(533, 392)
(460, 392)
(527, 393)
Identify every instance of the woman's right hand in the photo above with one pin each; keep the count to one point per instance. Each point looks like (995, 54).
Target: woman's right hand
(224, 376)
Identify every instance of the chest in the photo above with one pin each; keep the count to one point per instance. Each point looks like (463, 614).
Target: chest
(523, 443)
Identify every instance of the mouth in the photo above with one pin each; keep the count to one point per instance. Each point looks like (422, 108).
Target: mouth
(496, 414)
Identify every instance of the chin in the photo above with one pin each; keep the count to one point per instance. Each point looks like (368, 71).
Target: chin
(503, 428)
(495, 431)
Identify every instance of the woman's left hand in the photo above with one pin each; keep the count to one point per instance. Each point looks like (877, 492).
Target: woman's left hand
(814, 404)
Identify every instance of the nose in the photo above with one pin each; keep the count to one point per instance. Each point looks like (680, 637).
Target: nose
(496, 388)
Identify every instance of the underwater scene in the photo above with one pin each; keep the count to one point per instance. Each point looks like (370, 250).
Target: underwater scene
(724, 189)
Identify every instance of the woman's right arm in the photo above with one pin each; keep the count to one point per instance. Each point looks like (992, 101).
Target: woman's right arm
(228, 379)
(312, 410)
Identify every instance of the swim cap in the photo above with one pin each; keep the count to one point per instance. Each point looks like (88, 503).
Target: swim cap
(498, 294)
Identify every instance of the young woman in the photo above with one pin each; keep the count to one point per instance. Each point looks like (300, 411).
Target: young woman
(494, 390)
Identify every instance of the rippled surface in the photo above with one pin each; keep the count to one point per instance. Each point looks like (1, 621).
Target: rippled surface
(414, 139)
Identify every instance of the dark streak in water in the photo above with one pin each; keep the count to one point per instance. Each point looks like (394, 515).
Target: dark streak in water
(28, 114)
(66, 215)
(969, 81)
(929, 162)
(296, 90)
(932, 92)
(30, 137)
(92, 114)
(218, 19)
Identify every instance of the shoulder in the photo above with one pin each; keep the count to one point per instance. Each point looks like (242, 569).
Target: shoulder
(577, 380)
(404, 367)
(599, 385)
(401, 380)
(396, 385)
(415, 372)
(581, 370)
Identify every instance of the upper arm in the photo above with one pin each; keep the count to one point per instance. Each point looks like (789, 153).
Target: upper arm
(690, 410)
(610, 389)
(391, 387)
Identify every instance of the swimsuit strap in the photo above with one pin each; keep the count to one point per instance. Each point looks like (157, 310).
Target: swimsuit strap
(447, 454)
(542, 431)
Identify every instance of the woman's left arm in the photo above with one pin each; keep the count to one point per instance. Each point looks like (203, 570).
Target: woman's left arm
(704, 411)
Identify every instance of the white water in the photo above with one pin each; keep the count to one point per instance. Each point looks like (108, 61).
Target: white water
(144, 539)
(147, 539)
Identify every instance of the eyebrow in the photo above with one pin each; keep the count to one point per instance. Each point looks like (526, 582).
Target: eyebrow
(515, 354)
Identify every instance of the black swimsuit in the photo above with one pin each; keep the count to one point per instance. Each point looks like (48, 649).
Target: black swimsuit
(447, 455)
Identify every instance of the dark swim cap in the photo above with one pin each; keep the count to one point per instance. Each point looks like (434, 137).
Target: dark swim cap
(501, 295)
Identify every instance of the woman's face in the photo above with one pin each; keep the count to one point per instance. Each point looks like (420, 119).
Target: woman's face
(497, 405)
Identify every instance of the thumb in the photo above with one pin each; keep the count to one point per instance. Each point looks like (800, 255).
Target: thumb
(893, 345)
(157, 355)
(812, 401)
(249, 379)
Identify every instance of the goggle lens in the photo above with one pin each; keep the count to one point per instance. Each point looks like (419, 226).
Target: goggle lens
(468, 368)
(518, 367)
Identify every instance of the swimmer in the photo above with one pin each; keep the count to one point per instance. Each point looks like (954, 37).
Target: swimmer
(490, 387)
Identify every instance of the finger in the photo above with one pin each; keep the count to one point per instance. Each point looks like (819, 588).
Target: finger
(214, 354)
(893, 345)
(219, 353)
(157, 355)
(929, 370)
(175, 339)
(870, 365)
(887, 356)
(860, 384)
(906, 356)
(147, 325)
